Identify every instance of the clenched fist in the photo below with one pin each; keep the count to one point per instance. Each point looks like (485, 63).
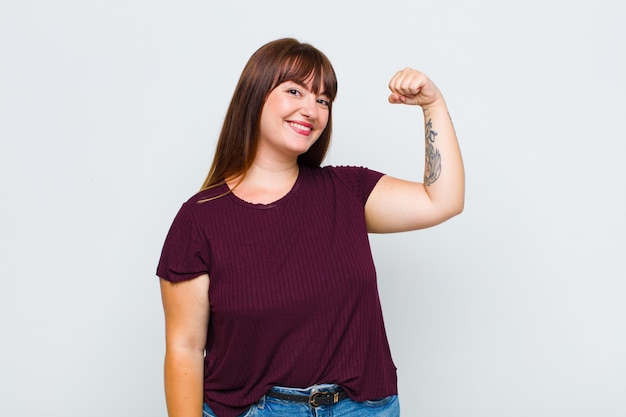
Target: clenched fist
(409, 86)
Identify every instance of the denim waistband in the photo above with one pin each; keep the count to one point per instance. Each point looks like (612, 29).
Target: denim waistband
(308, 390)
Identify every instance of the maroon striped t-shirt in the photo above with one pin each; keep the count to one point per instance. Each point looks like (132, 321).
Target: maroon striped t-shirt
(293, 294)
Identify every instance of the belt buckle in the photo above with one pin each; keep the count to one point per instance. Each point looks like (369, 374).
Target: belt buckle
(326, 394)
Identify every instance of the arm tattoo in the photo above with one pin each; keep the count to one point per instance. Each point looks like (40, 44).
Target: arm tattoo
(433, 157)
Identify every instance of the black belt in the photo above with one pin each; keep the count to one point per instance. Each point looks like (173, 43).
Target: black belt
(315, 399)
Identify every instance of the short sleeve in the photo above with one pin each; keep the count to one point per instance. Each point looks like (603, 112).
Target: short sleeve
(359, 180)
(185, 253)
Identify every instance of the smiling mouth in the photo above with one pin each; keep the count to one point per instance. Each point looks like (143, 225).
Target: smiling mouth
(302, 129)
(299, 126)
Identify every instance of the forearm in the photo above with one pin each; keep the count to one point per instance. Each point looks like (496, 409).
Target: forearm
(444, 177)
(184, 382)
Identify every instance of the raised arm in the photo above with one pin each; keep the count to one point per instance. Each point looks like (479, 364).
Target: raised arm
(186, 307)
(397, 205)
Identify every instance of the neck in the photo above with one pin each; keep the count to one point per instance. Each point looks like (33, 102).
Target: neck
(265, 183)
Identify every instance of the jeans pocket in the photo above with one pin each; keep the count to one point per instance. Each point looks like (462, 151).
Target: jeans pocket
(380, 402)
(252, 411)
(207, 412)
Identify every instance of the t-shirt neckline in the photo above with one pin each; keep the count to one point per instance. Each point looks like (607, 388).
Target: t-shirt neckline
(230, 194)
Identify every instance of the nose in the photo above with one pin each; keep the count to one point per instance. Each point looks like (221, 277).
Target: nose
(309, 107)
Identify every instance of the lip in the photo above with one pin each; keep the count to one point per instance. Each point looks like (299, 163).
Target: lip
(302, 128)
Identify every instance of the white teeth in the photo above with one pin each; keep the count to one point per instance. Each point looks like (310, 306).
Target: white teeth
(299, 126)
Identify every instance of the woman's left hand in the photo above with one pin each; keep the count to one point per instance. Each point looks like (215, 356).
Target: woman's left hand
(410, 86)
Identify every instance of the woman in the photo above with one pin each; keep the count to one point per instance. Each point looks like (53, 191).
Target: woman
(268, 268)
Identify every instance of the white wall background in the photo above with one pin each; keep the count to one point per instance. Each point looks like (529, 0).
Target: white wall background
(109, 112)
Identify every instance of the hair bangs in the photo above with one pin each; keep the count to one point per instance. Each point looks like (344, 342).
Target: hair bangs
(307, 66)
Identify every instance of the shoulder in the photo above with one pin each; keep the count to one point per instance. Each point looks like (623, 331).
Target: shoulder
(351, 171)
(210, 194)
(204, 204)
(358, 180)
(343, 172)
(356, 176)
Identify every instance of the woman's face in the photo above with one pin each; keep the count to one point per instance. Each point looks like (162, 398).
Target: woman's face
(292, 119)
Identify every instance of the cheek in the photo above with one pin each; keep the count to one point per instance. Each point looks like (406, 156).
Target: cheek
(324, 121)
(268, 115)
(323, 114)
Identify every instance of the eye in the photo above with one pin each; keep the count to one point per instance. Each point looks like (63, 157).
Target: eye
(324, 102)
(294, 92)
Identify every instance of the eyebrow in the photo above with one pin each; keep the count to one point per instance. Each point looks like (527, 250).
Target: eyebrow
(303, 85)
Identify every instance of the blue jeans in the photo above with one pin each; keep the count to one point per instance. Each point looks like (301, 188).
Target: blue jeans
(274, 407)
